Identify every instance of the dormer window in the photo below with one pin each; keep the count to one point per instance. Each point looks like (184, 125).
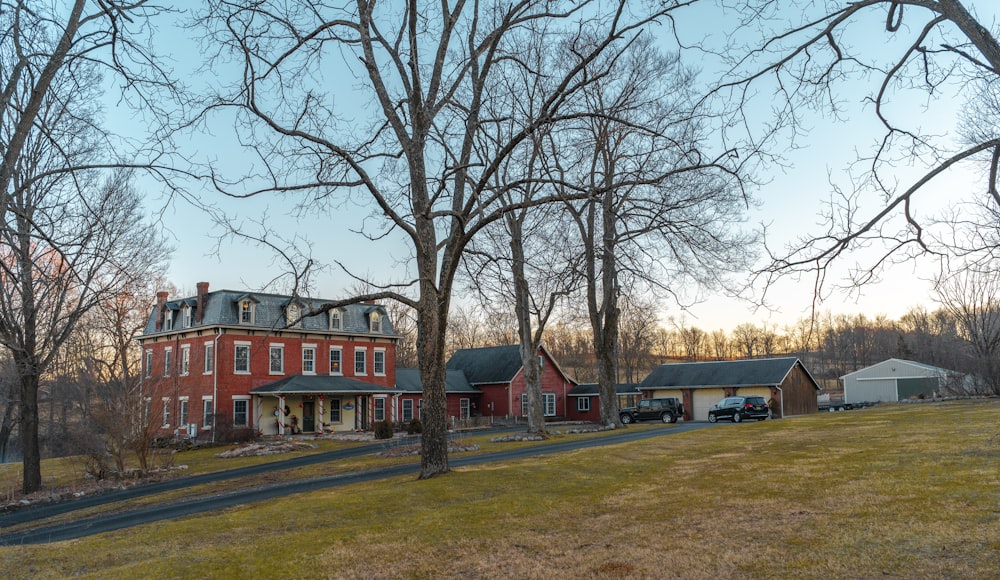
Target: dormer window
(246, 311)
(168, 319)
(336, 320)
(375, 322)
(186, 316)
(293, 315)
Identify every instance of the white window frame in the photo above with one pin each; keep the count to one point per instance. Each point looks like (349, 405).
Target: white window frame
(168, 360)
(420, 408)
(336, 319)
(364, 361)
(166, 413)
(246, 311)
(293, 316)
(183, 412)
(548, 404)
(378, 408)
(207, 411)
(185, 316)
(406, 410)
(149, 363)
(237, 346)
(209, 358)
(375, 322)
(340, 359)
(464, 408)
(378, 360)
(237, 399)
(185, 359)
(309, 356)
(280, 348)
(168, 319)
(582, 404)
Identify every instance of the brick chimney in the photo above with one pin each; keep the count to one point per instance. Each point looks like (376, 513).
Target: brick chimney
(161, 299)
(200, 306)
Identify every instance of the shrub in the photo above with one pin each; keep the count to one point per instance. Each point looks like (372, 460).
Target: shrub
(383, 430)
(414, 427)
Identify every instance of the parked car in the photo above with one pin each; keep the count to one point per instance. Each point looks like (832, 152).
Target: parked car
(667, 409)
(737, 409)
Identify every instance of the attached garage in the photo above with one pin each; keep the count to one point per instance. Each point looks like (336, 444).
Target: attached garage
(895, 380)
(700, 385)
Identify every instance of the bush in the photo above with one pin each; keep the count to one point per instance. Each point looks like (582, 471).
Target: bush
(383, 430)
(414, 427)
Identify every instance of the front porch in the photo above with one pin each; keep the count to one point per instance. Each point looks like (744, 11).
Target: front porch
(316, 404)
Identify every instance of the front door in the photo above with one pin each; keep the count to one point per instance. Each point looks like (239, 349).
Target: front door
(308, 416)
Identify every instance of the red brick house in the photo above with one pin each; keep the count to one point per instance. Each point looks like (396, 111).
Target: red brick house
(246, 360)
(496, 372)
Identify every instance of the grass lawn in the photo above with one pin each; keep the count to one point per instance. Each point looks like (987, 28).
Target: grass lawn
(893, 491)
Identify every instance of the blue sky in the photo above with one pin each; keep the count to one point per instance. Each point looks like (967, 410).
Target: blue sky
(790, 202)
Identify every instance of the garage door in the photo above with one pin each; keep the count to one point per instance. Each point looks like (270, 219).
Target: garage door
(702, 400)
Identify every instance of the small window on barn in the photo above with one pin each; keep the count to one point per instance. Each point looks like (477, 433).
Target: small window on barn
(583, 404)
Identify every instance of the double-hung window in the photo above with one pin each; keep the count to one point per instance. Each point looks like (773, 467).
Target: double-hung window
(335, 411)
(241, 412)
(360, 361)
(209, 357)
(206, 412)
(168, 360)
(380, 408)
(407, 411)
(309, 359)
(184, 412)
(149, 364)
(185, 359)
(277, 358)
(378, 362)
(241, 363)
(166, 412)
(336, 360)
(548, 404)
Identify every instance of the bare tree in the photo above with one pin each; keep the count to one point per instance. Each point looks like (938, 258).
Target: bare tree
(664, 215)
(972, 298)
(65, 233)
(418, 160)
(812, 51)
(746, 337)
(719, 342)
(637, 329)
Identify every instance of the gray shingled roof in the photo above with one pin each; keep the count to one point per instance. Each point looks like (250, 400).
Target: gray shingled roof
(492, 364)
(455, 381)
(318, 384)
(222, 309)
(757, 372)
(592, 389)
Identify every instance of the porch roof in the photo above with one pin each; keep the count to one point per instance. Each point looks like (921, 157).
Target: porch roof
(318, 384)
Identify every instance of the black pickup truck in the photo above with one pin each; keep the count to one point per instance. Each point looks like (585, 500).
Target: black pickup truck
(667, 409)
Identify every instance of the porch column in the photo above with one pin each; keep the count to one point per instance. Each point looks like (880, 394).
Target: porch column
(319, 416)
(280, 415)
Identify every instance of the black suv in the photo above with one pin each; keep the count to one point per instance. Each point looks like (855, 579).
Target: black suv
(738, 408)
(667, 410)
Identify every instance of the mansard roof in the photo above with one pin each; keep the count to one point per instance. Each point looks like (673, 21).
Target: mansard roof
(221, 308)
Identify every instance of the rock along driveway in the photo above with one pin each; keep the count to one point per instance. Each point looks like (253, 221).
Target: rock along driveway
(115, 521)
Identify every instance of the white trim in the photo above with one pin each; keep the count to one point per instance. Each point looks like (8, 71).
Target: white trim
(375, 371)
(309, 347)
(339, 349)
(270, 348)
(354, 363)
(237, 344)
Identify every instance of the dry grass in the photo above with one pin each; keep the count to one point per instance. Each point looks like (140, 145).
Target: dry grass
(896, 491)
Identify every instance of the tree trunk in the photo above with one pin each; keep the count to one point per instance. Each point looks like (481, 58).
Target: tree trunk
(529, 347)
(30, 449)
